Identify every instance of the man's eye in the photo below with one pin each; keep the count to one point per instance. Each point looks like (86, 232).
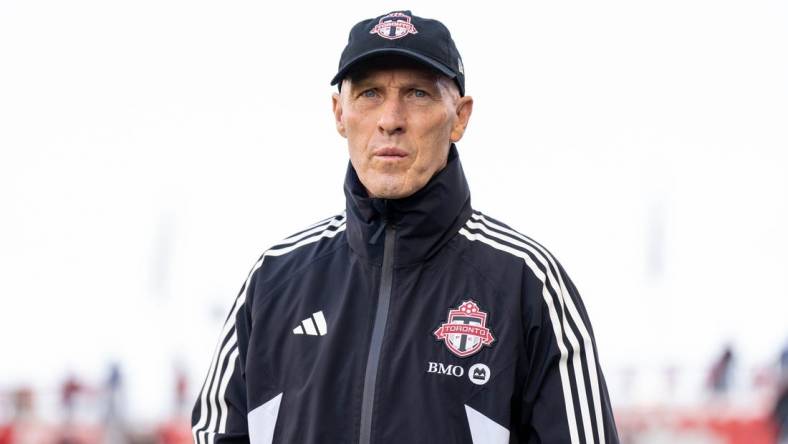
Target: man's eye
(369, 93)
(419, 93)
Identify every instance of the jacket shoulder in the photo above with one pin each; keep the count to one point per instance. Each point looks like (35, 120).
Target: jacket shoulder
(495, 247)
(290, 254)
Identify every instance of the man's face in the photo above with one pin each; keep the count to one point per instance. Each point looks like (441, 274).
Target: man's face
(399, 123)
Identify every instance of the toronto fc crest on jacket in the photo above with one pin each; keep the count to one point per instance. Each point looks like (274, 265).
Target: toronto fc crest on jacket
(416, 320)
(465, 331)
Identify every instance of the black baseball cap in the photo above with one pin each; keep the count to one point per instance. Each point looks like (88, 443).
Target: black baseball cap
(401, 33)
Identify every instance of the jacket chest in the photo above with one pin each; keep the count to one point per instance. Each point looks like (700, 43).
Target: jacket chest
(448, 334)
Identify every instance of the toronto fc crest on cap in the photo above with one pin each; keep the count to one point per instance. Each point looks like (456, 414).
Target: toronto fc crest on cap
(394, 26)
(465, 331)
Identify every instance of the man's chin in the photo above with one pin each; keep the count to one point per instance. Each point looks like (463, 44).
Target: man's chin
(396, 189)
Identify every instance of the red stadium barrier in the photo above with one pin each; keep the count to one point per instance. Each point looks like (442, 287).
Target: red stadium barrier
(6, 434)
(174, 432)
(636, 425)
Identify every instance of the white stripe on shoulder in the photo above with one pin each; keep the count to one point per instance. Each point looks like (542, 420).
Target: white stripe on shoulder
(562, 368)
(588, 345)
(334, 221)
(214, 420)
(325, 233)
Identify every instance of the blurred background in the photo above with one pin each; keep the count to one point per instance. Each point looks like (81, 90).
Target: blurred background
(151, 150)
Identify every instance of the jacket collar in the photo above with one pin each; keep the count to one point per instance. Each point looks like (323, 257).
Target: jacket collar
(424, 221)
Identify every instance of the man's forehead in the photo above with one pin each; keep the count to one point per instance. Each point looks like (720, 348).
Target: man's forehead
(394, 75)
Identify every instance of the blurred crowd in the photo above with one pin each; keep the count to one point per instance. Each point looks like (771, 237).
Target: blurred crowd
(732, 405)
(717, 417)
(91, 414)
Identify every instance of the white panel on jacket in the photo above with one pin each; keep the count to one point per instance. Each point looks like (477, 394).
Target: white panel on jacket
(262, 421)
(484, 430)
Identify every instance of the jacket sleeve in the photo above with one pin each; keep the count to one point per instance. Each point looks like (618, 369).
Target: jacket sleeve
(219, 414)
(564, 396)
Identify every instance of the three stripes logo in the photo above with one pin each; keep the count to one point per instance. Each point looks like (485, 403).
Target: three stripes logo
(314, 325)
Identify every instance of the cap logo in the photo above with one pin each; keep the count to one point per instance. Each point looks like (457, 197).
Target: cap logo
(394, 26)
(465, 331)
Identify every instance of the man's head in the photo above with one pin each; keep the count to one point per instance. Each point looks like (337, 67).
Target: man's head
(398, 107)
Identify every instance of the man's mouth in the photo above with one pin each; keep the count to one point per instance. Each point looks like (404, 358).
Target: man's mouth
(390, 153)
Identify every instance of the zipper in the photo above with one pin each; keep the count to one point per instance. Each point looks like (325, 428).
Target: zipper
(378, 328)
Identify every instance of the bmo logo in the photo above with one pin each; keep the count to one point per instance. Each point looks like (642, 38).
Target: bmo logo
(442, 369)
(478, 374)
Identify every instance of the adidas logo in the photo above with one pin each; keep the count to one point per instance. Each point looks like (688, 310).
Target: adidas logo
(314, 325)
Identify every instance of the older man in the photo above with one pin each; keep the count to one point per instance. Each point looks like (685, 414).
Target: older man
(409, 317)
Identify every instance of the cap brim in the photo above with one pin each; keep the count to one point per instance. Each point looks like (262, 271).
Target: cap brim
(400, 51)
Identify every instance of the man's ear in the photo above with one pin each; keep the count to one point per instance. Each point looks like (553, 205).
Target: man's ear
(336, 103)
(463, 109)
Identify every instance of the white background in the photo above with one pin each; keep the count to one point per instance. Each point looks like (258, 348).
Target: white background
(150, 151)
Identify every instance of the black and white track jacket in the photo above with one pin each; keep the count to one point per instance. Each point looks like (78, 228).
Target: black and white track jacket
(416, 320)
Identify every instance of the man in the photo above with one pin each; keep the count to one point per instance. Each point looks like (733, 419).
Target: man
(410, 317)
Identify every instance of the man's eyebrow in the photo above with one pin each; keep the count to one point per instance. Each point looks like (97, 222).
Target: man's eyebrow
(419, 83)
(422, 83)
(432, 85)
(360, 82)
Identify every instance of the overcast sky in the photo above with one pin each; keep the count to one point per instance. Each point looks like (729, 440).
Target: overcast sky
(151, 150)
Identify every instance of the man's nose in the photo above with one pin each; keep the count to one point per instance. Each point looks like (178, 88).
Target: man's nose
(392, 117)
